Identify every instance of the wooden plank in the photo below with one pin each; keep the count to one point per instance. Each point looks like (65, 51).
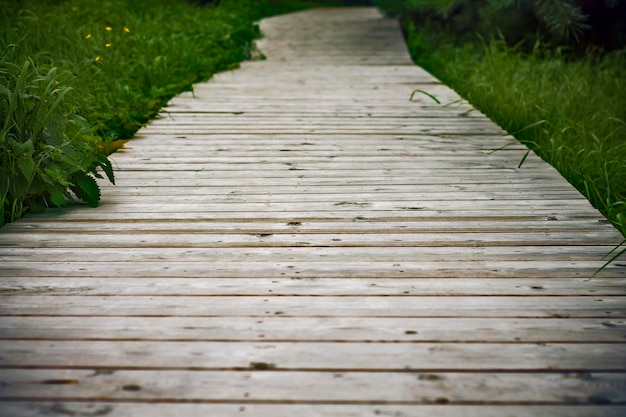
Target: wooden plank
(318, 329)
(204, 179)
(344, 286)
(296, 176)
(301, 178)
(467, 142)
(388, 125)
(600, 286)
(400, 130)
(148, 194)
(272, 386)
(611, 307)
(357, 199)
(293, 156)
(160, 409)
(313, 269)
(306, 168)
(314, 356)
(345, 119)
(153, 213)
(338, 163)
(385, 227)
(240, 149)
(200, 105)
(460, 109)
(347, 204)
(478, 189)
(438, 148)
(258, 285)
(308, 254)
(329, 193)
(258, 240)
(338, 202)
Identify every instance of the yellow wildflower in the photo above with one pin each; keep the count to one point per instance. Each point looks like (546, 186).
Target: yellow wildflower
(88, 36)
(97, 58)
(108, 45)
(126, 30)
(109, 28)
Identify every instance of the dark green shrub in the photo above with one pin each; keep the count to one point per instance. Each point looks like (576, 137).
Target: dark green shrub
(46, 149)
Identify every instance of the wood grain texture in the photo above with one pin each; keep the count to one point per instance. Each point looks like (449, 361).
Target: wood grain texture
(304, 236)
(122, 409)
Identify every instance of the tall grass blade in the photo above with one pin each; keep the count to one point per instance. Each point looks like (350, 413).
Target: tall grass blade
(426, 94)
(613, 258)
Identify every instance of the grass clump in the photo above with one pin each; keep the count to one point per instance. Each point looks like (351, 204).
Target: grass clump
(127, 58)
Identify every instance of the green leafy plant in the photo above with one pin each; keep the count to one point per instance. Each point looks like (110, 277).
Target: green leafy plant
(46, 149)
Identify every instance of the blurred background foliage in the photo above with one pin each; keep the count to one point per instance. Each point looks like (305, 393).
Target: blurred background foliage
(573, 23)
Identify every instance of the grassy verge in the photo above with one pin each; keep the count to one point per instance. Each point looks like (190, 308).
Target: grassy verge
(78, 76)
(571, 112)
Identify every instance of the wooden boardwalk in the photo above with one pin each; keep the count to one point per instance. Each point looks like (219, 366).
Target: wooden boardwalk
(298, 238)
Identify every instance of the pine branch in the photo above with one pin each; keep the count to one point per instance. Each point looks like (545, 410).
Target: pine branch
(564, 19)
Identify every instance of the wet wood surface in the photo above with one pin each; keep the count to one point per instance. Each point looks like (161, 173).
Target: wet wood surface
(313, 235)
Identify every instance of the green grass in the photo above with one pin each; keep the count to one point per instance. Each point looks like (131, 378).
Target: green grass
(571, 112)
(77, 76)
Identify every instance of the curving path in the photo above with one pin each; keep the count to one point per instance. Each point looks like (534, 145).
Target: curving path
(300, 238)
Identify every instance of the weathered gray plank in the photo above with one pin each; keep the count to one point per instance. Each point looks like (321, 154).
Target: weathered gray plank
(77, 213)
(313, 269)
(318, 306)
(343, 286)
(318, 387)
(363, 198)
(318, 329)
(317, 254)
(294, 239)
(387, 227)
(41, 408)
(347, 204)
(521, 190)
(314, 356)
